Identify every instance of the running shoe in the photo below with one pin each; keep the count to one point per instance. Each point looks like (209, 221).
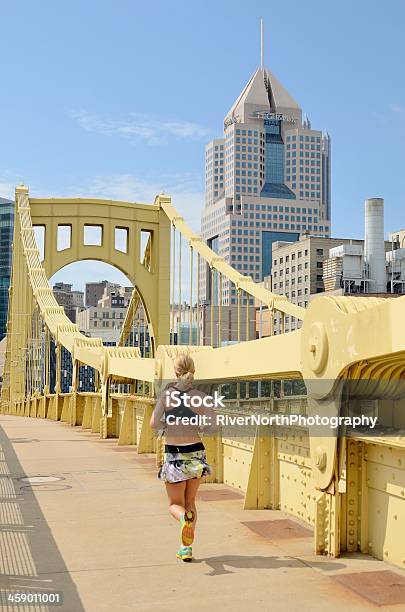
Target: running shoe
(187, 528)
(185, 553)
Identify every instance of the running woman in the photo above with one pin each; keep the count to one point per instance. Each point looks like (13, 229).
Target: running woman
(185, 460)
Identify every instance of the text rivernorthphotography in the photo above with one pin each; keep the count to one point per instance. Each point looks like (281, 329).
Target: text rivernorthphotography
(175, 399)
(279, 420)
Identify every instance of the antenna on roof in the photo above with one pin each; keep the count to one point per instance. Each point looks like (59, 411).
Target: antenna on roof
(261, 44)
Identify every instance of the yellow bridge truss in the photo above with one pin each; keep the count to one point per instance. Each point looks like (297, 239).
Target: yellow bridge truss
(348, 351)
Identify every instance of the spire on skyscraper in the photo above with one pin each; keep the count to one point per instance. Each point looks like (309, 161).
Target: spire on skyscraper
(261, 44)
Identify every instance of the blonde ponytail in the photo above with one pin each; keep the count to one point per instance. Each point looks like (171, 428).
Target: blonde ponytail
(184, 368)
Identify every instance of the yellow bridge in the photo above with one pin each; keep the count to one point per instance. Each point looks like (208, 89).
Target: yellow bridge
(350, 352)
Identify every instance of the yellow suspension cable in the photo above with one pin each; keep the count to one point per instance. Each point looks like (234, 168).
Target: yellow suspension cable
(180, 309)
(173, 283)
(238, 301)
(190, 337)
(220, 311)
(212, 308)
(198, 297)
(247, 316)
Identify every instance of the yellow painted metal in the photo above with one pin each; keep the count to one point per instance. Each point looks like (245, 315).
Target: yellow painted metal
(238, 456)
(296, 486)
(214, 450)
(151, 281)
(128, 429)
(351, 491)
(263, 484)
(376, 508)
(145, 439)
(30, 282)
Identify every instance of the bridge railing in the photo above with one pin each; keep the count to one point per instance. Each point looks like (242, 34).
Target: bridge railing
(359, 340)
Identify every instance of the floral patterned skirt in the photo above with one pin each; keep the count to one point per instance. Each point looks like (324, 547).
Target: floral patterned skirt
(184, 462)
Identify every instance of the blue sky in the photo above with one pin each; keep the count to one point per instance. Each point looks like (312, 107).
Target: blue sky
(117, 98)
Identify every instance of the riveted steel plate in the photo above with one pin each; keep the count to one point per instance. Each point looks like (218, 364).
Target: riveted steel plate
(381, 588)
(282, 529)
(218, 495)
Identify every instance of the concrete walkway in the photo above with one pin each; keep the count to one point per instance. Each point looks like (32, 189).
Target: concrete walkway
(100, 532)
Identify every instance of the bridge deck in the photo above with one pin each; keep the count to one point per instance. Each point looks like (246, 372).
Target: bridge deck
(102, 535)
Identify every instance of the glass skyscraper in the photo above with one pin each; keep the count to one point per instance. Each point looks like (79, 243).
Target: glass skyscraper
(6, 239)
(266, 180)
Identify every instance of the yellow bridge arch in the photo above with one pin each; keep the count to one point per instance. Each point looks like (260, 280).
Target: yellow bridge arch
(151, 281)
(334, 345)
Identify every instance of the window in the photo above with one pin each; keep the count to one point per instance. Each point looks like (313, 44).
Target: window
(92, 235)
(39, 234)
(145, 248)
(64, 237)
(121, 239)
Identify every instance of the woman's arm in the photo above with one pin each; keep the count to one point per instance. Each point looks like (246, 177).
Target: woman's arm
(158, 412)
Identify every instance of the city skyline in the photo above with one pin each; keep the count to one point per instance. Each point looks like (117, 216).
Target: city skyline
(133, 136)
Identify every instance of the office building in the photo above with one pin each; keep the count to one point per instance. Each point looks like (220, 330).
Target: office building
(94, 291)
(336, 266)
(297, 270)
(6, 239)
(71, 300)
(266, 180)
(106, 318)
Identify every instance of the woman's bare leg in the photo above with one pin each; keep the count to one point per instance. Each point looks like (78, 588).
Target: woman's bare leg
(176, 494)
(190, 495)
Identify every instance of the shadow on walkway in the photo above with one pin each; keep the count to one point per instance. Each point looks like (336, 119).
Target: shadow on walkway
(218, 564)
(30, 561)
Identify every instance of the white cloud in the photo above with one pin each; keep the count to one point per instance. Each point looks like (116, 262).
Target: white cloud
(7, 189)
(138, 127)
(183, 189)
(397, 108)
